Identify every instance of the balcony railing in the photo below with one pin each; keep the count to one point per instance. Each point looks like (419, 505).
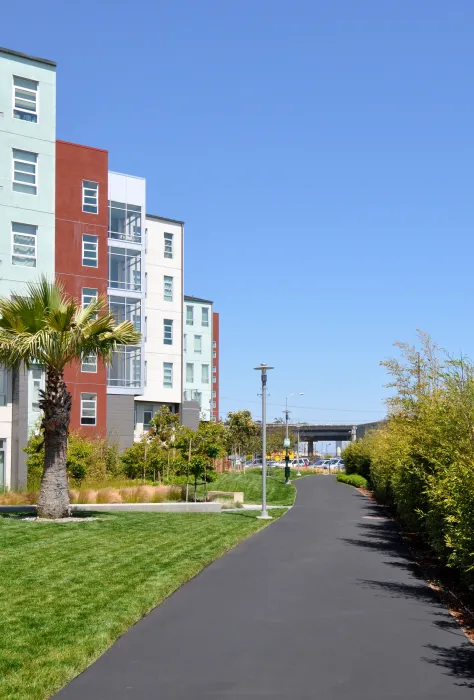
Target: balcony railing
(126, 237)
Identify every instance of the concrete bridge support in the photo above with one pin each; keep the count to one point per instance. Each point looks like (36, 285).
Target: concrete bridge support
(310, 448)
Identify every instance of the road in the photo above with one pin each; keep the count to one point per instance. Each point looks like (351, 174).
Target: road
(325, 603)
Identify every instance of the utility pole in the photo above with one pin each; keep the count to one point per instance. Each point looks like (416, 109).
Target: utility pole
(287, 439)
(263, 369)
(287, 445)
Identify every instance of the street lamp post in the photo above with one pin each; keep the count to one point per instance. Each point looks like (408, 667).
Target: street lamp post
(263, 368)
(287, 439)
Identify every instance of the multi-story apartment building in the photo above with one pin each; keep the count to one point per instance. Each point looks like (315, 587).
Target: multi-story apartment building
(63, 214)
(163, 329)
(197, 353)
(215, 367)
(27, 212)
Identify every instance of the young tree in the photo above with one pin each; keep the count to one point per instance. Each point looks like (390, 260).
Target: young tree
(242, 432)
(45, 326)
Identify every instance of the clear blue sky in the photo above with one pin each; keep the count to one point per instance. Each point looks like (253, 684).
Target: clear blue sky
(321, 155)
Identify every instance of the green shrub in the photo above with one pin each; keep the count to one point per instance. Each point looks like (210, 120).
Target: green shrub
(93, 460)
(357, 458)
(353, 480)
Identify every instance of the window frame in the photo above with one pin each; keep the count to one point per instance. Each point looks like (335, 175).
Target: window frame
(128, 284)
(92, 297)
(168, 279)
(86, 204)
(87, 361)
(20, 255)
(205, 365)
(22, 109)
(167, 331)
(90, 235)
(167, 366)
(203, 309)
(27, 162)
(83, 401)
(188, 323)
(198, 337)
(169, 255)
(146, 424)
(190, 381)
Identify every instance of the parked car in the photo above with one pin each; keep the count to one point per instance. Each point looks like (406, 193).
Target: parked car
(317, 463)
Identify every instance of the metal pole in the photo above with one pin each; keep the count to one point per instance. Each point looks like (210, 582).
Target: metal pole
(287, 456)
(298, 473)
(264, 514)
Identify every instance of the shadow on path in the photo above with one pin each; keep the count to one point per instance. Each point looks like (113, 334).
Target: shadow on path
(383, 535)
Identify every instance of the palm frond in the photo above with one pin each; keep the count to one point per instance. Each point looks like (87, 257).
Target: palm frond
(47, 326)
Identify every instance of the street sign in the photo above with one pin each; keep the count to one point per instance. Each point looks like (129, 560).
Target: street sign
(286, 442)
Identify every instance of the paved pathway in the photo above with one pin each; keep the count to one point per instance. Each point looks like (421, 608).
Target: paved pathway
(323, 604)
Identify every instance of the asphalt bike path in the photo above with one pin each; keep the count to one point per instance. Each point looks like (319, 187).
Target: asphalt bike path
(323, 604)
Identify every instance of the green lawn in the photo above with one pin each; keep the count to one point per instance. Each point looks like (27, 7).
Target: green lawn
(68, 590)
(250, 483)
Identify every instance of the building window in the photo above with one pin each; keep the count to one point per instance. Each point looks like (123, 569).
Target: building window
(147, 416)
(24, 244)
(214, 354)
(25, 171)
(3, 386)
(125, 367)
(89, 295)
(89, 364)
(90, 196)
(168, 245)
(88, 409)
(213, 404)
(167, 375)
(190, 316)
(214, 380)
(25, 99)
(168, 288)
(125, 269)
(214, 370)
(198, 343)
(214, 344)
(126, 309)
(90, 250)
(197, 396)
(125, 222)
(167, 331)
(205, 316)
(213, 394)
(205, 374)
(189, 372)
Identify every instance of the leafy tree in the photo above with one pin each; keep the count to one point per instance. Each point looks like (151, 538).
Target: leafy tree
(242, 432)
(45, 326)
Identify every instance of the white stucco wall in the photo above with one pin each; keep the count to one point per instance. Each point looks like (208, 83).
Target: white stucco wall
(198, 359)
(156, 310)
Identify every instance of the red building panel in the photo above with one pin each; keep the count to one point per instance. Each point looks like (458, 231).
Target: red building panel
(74, 164)
(215, 365)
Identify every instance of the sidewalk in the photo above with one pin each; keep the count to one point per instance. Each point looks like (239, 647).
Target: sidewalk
(324, 604)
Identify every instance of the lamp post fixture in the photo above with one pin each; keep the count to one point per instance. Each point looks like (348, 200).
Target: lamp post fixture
(287, 439)
(263, 368)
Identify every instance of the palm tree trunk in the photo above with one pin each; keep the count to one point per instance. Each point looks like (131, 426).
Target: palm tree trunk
(53, 499)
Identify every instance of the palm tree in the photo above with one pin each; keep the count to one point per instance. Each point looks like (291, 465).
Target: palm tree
(45, 326)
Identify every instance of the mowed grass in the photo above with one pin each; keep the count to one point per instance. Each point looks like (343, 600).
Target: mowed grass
(68, 590)
(278, 493)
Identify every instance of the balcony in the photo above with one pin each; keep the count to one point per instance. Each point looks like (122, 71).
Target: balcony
(125, 222)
